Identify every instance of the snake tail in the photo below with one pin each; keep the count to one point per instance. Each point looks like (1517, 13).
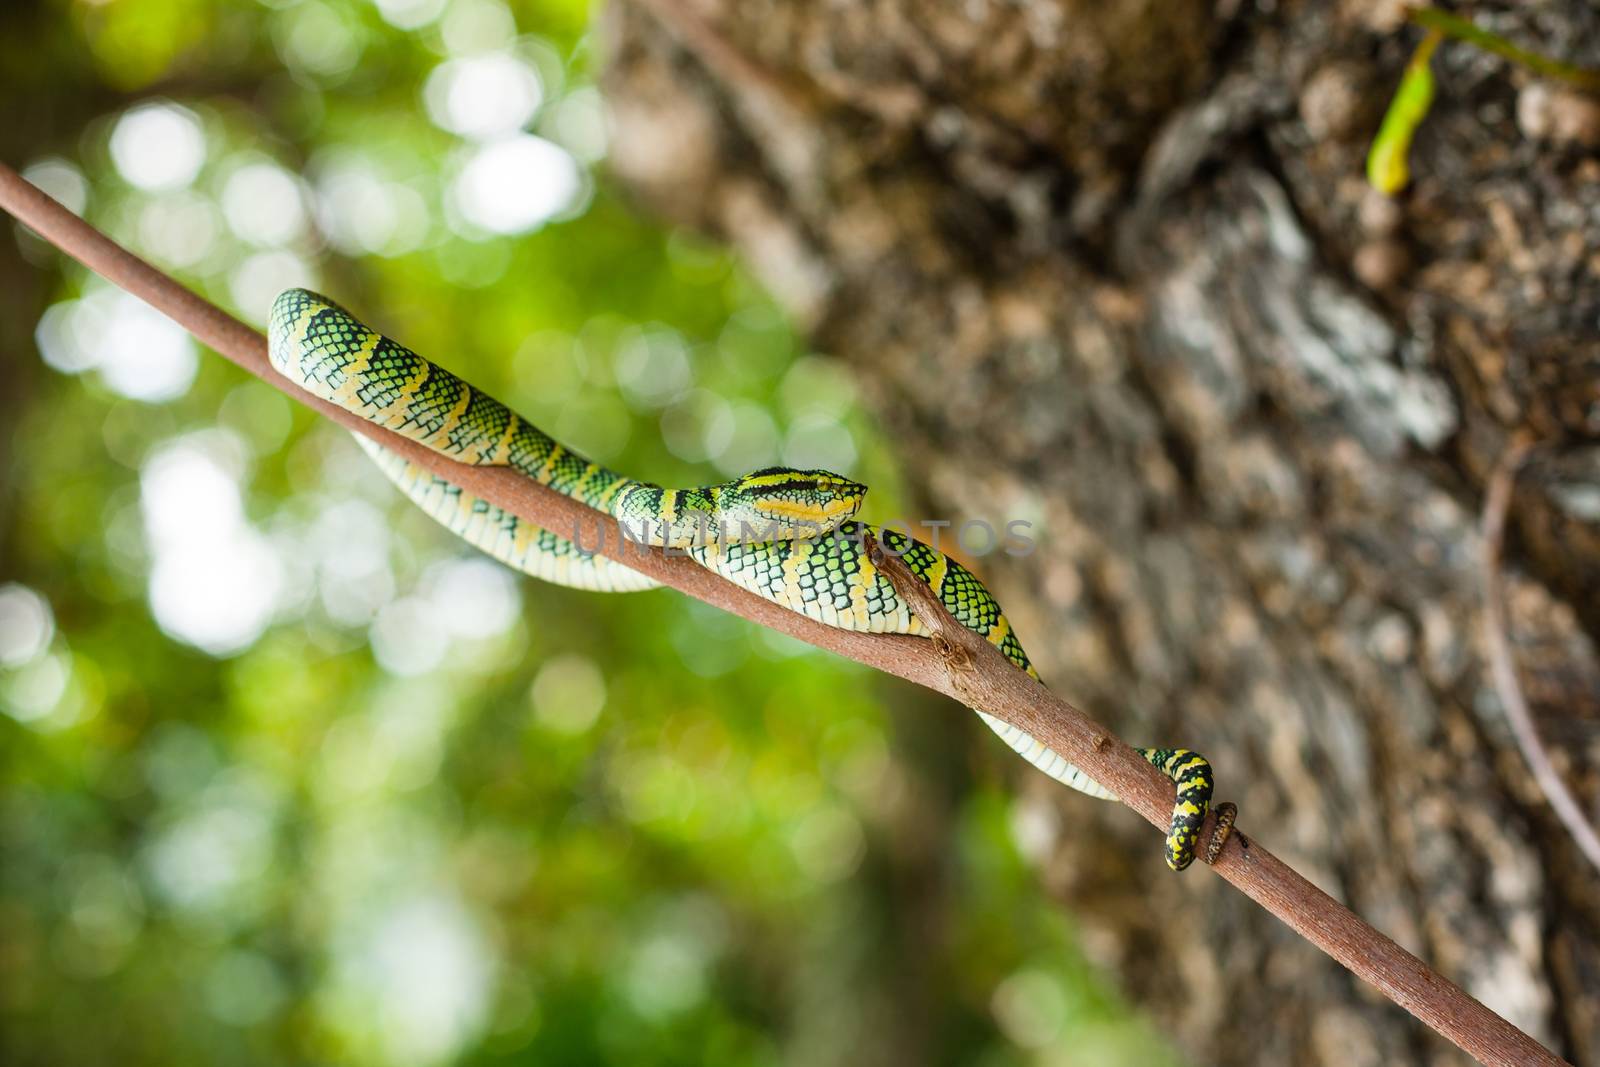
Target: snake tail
(1191, 773)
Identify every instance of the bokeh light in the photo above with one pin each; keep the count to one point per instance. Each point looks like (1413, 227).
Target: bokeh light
(407, 638)
(698, 426)
(517, 184)
(362, 212)
(412, 983)
(158, 146)
(569, 692)
(64, 182)
(409, 14)
(26, 625)
(138, 352)
(259, 278)
(753, 443)
(473, 598)
(317, 39)
(107, 911)
(214, 855)
(179, 229)
(484, 97)
(263, 204)
(215, 580)
(477, 26)
(32, 691)
(1030, 1007)
(578, 123)
(349, 544)
(652, 367)
(819, 441)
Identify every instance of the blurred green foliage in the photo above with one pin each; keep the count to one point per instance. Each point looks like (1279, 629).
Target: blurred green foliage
(289, 775)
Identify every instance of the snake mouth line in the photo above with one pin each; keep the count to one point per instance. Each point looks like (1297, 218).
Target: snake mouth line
(707, 533)
(808, 513)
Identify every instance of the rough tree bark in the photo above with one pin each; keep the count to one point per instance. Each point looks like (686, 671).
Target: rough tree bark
(1110, 265)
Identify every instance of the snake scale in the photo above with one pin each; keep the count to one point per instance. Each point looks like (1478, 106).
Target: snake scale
(786, 535)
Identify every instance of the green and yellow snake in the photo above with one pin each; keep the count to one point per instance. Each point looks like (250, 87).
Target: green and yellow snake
(786, 535)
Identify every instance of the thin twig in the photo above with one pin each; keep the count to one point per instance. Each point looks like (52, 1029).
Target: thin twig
(1502, 668)
(1462, 29)
(957, 663)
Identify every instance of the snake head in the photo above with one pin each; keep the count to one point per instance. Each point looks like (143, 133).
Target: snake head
(781, 503)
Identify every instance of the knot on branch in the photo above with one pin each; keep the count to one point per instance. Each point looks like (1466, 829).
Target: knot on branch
(956, 658)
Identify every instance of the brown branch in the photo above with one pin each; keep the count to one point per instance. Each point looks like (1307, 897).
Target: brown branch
(956, 663)
(1502, 668)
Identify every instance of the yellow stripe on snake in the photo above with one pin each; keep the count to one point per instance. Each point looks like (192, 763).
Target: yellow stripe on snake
(786, 535)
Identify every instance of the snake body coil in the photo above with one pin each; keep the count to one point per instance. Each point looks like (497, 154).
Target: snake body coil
(760, 531)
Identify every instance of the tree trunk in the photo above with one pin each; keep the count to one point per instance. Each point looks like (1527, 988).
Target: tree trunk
(1111, 266)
